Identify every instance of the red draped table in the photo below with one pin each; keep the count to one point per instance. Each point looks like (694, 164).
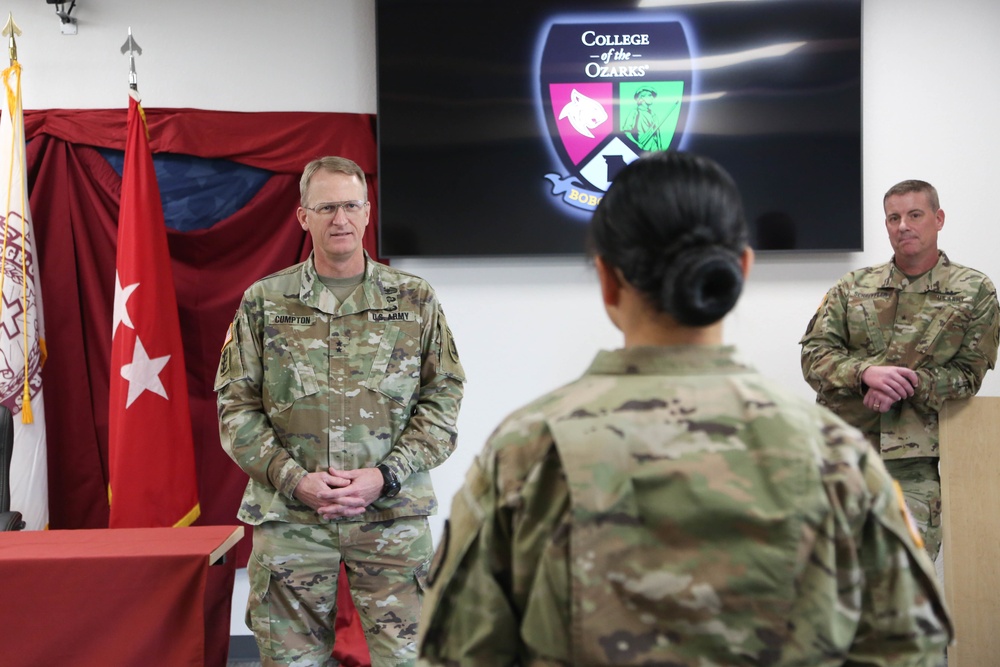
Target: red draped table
(127, 596)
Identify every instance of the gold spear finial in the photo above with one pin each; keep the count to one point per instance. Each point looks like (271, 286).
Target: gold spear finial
(9, 30)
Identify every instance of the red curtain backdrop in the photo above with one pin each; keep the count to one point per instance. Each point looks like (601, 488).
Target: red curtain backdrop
(74, 196)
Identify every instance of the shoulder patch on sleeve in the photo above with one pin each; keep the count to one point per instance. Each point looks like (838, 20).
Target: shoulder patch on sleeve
(815, 317)
(231, 360)
(450, 364)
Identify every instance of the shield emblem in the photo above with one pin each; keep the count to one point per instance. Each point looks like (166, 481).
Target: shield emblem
(610, 91)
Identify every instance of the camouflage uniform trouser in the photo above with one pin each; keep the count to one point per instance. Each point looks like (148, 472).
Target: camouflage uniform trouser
(921, 483)
(293, 571)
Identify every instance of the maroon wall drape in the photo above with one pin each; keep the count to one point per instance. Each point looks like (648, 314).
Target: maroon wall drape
(74, 196)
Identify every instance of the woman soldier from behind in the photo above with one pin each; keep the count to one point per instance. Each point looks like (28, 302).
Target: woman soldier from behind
(672, 506)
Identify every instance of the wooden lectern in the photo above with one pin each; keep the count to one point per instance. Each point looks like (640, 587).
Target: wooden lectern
(970, 493)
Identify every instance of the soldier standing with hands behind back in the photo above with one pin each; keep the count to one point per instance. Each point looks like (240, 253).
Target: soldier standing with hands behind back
(891, 343)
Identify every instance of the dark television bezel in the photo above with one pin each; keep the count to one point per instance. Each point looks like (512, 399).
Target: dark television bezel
(849, 227)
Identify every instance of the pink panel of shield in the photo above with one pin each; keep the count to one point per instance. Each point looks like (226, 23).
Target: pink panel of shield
(584, 115)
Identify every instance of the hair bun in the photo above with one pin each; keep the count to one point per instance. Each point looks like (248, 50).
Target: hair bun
(673, 224)
(702, 285)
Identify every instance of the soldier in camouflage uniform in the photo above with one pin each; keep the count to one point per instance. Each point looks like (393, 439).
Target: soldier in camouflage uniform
(891, 343)
(338, 390)
(673, 507)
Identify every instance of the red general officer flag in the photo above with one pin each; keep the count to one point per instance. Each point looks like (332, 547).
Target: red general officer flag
(151, 449)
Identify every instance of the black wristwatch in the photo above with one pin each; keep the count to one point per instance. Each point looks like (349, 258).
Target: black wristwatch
(390, 485)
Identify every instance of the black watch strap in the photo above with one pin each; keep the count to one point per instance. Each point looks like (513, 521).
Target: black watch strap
(390, 483)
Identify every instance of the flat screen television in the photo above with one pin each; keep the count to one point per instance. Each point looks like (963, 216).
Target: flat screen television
(501, 125)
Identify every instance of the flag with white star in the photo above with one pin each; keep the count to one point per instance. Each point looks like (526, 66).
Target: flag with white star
(151, 460)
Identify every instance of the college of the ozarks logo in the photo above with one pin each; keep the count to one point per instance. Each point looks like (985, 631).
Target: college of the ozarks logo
(610, 91)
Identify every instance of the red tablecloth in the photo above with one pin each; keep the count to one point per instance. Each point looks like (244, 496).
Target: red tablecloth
(128, 596)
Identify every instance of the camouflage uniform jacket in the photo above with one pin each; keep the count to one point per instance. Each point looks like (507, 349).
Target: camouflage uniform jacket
(943, 325)
(673, 507)
(305, 383)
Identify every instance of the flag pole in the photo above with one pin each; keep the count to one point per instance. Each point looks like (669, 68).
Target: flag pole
(10, 29)
(149, 418)
(22, 351)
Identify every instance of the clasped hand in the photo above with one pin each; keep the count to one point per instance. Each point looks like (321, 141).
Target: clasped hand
(886, 385)
(339, 493)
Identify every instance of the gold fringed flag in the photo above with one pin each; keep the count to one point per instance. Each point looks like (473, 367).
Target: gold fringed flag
(150, 444)
(22, 344)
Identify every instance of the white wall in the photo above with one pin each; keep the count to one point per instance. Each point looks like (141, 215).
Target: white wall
(525, 326)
